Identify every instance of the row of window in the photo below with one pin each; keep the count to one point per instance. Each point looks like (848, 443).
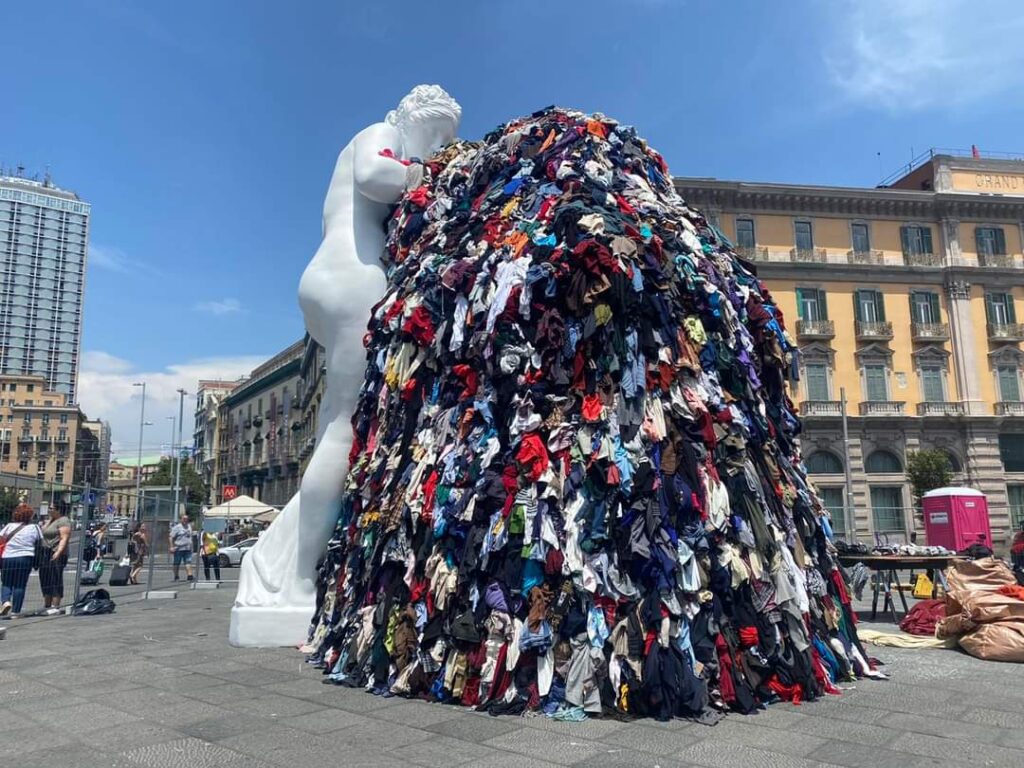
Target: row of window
(817, 382)
(41, 467)
(869, 306)
(888, 514)
(915, 239)
(883, 462)
(880, 462)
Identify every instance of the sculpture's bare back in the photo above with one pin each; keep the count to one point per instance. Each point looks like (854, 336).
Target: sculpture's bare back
(277, 587)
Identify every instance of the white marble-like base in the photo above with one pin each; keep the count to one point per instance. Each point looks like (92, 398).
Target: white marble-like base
(274, 627)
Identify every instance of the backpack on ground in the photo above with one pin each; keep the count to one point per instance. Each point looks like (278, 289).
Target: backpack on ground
(93, 603)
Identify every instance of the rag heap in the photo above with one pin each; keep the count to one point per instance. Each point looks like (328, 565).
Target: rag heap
(575, 483)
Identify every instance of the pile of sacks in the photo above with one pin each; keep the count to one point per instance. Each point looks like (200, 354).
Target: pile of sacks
(984, 610)
(575, 483)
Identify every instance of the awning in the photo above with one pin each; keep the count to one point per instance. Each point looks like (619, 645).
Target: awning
(239, 507)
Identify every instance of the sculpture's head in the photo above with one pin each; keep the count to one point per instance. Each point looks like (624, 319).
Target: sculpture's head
(428, 118)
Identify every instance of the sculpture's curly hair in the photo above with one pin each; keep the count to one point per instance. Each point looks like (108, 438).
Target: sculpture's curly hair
(425, 102)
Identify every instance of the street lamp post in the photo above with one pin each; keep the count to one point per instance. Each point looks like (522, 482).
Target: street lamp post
(138, 468)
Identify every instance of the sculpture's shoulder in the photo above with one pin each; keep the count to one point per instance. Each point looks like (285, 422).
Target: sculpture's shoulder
(376, 137)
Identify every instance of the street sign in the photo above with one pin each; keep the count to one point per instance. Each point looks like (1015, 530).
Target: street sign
(229, 492)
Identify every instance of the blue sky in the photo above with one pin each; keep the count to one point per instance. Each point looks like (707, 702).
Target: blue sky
(204, 133)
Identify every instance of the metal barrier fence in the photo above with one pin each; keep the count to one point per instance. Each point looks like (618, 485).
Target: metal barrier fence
(104, 531)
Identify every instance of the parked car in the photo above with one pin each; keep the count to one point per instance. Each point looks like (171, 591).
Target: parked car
(232, 556)
(117, 530)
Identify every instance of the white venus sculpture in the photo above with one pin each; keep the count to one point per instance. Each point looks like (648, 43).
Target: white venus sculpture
(277, 588)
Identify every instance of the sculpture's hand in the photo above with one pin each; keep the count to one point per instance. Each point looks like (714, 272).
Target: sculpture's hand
(378, 177)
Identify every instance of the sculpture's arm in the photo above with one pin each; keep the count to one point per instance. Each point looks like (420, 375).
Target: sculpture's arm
(381, 179)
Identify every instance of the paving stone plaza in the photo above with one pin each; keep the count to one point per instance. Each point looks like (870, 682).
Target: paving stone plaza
(157, 685)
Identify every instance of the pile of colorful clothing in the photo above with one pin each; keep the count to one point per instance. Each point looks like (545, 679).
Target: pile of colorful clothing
(575, 484)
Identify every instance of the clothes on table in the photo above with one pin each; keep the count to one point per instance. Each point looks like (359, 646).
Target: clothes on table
(575, 481)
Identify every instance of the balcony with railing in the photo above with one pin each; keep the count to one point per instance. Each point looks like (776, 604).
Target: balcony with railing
(817, 255)
(873, 330)
(923, 259)
(865, 257)
(1001, 260)
(882, 408)
(1006, 331)
(815, 329)
(1009, 408)
(929, 331)
(821, 408)
(752, 252)
(940, 408)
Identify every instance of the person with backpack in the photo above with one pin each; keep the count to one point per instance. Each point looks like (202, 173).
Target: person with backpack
(18, 544)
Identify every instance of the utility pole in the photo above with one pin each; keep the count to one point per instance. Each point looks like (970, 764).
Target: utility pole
(138, 468)
(177, 470)
(86, 509)
(849, 523)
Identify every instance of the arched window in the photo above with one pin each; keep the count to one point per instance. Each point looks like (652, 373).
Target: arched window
(883, 462)
(824, 463)
(954, 463)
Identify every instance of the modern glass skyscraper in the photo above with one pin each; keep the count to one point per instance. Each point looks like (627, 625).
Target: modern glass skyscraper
(44, 233)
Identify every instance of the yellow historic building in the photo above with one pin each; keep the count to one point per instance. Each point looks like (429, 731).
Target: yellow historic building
(904, 296)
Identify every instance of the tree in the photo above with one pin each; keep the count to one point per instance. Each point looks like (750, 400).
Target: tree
(927, 470)
(191, 482)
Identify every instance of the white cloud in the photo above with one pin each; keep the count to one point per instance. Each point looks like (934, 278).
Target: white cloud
(109, 258)
(103, 362)
(920, 54)
(105, 392)
(223, 307)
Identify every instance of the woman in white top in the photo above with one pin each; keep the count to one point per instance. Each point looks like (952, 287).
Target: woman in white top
(20, 536)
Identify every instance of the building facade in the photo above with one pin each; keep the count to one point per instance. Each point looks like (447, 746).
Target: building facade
(94, 463)
(255, 443)
(44, 233)
(121, 480)
(209, 395)
(904, 298)
(40, 431)
(312, 381)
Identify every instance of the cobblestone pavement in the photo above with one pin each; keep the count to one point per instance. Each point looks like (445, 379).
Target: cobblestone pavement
(157, 685)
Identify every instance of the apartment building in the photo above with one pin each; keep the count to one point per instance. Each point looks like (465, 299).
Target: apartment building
(904, 297)
(256, 450)
(40, 431)
(44, 235)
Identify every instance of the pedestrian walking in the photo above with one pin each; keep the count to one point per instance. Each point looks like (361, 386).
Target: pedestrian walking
(100, 538)
(211, 546)
(56, 535)
(181, 546)
(140, 548)
(18, 539)
(88, 549)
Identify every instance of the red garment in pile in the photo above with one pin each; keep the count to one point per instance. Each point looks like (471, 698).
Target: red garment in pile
(1012, 590)
(922, 618)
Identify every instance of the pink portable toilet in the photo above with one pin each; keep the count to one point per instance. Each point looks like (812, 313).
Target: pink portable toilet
(955, 518)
